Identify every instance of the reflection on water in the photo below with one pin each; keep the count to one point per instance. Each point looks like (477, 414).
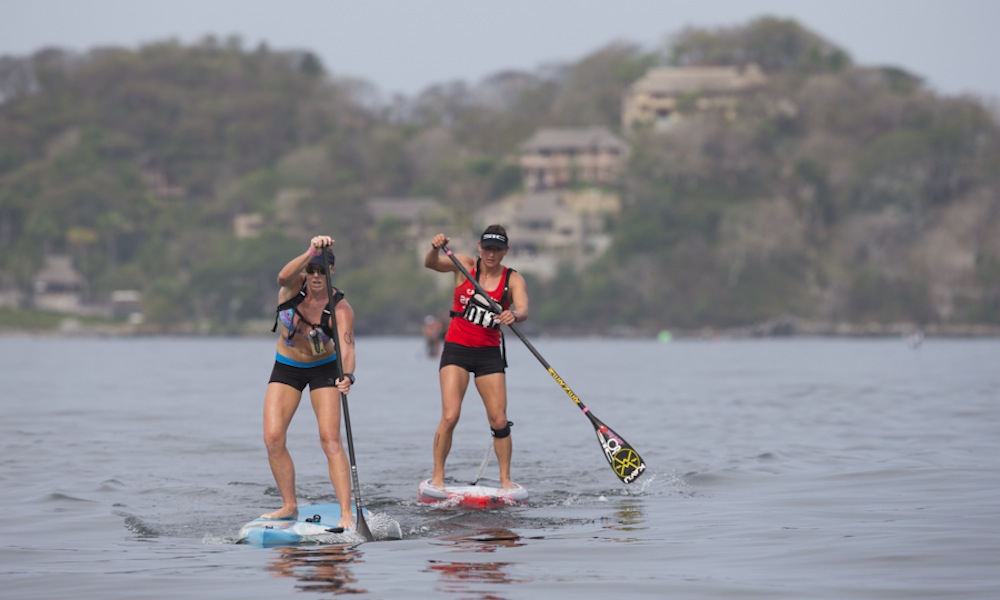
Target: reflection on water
(630, 516)
(461, 577)
(324, 569)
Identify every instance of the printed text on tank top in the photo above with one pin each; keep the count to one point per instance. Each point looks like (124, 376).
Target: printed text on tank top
(476, 325)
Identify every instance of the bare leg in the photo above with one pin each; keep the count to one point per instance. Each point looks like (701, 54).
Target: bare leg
(280, 402)
(326, 404)
(493, 389)
(454, 382)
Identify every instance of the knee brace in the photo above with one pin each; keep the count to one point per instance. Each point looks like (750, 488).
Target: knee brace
(502, 433)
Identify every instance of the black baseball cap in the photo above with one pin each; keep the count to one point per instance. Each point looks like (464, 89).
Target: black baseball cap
(318, 260)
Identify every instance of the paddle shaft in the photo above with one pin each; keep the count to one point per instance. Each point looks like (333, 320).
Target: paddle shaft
(362, 525)
(631, 458)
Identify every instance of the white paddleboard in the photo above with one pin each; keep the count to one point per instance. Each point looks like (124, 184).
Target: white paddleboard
(471, 496)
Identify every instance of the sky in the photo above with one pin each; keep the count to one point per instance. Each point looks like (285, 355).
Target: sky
(403, 46)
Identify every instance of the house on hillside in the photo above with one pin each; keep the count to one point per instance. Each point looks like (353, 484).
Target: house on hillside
(553, 158)
(408, 223)
(248, 225)
(59, 287)
(159, 183)
(417, 217)
(658, 96)
(127, 304)
(554, 227)
(287, 216)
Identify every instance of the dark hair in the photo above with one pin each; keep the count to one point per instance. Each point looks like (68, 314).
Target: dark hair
(496, 229)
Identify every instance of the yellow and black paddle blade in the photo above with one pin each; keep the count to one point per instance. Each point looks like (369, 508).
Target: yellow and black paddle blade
(624, 460)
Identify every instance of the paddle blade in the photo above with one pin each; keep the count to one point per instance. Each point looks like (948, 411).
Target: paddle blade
(363, 528)
(624, 460)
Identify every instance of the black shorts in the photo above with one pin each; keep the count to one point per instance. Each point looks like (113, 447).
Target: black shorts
(478, 361)
(299, 375)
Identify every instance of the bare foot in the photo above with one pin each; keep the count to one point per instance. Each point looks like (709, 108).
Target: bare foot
(438, 484)
(284, 514)
(508, 485)
(346, 524)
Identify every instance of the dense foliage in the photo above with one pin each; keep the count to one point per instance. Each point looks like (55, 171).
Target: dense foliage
(838, 192)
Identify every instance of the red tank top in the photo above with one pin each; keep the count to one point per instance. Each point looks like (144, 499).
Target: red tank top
(465, 328)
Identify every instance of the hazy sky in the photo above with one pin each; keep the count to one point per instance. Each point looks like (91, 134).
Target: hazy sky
(405, 45)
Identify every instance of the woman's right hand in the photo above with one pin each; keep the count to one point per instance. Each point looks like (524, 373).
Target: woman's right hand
(439, 241)
(319, 242)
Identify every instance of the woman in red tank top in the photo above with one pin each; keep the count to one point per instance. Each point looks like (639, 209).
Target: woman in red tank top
(472, 343)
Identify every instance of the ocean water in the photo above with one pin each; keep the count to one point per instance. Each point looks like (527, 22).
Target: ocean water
(801, 468)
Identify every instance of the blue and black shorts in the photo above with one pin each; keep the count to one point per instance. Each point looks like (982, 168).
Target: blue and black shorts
(299, 374)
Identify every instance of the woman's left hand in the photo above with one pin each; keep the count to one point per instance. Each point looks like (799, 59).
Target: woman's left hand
(507, 317)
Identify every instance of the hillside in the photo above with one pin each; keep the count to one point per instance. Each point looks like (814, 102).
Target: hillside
(836, 197)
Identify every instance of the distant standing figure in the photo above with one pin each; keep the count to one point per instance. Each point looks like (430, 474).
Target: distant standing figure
(472, 343)
(433, 329)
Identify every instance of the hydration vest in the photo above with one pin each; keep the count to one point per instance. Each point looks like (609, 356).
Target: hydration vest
(293, 303)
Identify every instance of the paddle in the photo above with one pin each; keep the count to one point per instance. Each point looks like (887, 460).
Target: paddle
(624, 460)
(361, 524)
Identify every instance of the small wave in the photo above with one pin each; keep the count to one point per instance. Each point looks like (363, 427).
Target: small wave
(570, 499)
(110, 485)
(60, 497)
(217, 540)
(140, 527)
(383, 527)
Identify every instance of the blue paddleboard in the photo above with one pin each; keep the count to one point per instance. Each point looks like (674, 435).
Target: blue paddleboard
(316, 524)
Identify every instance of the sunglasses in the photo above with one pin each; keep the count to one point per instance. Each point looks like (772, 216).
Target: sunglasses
(311, 269)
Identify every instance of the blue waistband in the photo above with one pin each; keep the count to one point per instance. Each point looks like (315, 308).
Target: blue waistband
(303, 365)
